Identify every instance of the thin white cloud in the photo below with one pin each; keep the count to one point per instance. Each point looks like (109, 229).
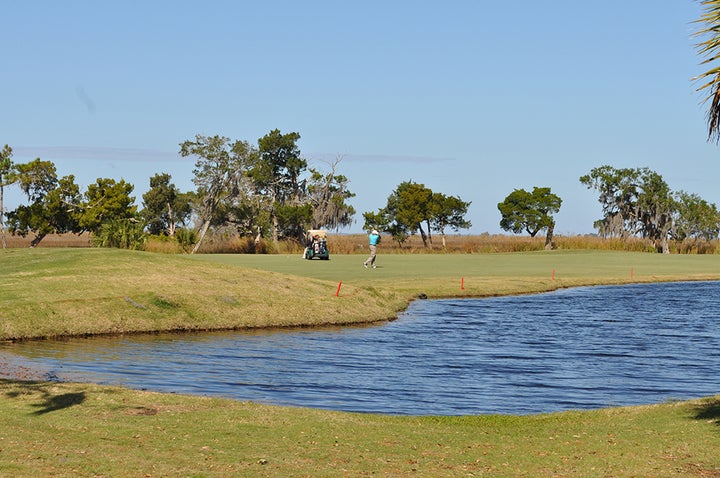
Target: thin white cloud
(379, 158)
(102, 153)
(94, 153)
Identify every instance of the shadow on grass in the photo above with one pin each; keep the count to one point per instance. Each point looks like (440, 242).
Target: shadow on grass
(49, 400)
(708, 410)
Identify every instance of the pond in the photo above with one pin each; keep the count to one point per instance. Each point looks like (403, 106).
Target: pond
(580, 348)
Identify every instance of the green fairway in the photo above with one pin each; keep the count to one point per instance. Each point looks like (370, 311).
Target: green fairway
(447, 275)
(567, 265)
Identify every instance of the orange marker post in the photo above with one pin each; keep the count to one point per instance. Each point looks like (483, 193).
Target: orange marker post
(462, 283)
(337, 292)
(552, 276)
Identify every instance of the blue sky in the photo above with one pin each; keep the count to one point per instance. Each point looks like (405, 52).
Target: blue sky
(471, 98)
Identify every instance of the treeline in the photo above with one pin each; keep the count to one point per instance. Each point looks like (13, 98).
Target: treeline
(266, 193)
(637, 202)
(263, 191)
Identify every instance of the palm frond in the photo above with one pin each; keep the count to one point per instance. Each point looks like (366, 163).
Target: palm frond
(709, 48)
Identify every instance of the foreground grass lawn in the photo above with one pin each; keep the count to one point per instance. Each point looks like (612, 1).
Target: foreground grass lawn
(70, 430)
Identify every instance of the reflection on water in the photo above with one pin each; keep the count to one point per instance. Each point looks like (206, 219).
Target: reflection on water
(571, 349)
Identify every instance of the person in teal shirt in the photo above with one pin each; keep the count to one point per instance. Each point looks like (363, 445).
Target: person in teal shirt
(374, 239)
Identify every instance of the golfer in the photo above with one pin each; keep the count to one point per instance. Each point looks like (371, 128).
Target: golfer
(374, 238)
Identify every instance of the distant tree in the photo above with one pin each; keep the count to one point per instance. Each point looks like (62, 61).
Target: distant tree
(106, 200)
(531, 212)
(276, 174)
(449, 211)
(36, 178)
(218, 171)
(415, 207)
(655, 209)
(404, 213)
(694, 218)
(6, 179)
(385, 219)
(412, 205)
(634, 201)
(619, 190)
(328, 195)
(53, 204)
(164, 206)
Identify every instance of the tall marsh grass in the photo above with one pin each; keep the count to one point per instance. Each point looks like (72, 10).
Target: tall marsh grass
(225, 243)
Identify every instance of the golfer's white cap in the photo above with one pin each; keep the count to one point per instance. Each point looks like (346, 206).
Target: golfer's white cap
(374, 231)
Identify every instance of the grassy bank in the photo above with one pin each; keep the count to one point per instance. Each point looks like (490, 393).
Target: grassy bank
(65, 430)
(71, 430)
(54, 292)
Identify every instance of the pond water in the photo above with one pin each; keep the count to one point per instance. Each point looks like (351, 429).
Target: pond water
(579, 348)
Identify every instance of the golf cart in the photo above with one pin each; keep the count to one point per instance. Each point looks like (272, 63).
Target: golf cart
(316, 245)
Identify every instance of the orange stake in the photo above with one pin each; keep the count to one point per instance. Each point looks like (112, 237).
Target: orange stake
(337, 292)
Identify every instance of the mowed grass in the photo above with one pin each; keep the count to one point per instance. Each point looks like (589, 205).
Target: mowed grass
(480, 275)
(57, 292)
(65, 429)
(71, 430)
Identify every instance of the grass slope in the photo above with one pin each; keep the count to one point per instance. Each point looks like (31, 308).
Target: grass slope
(71, 430)
(55, 292)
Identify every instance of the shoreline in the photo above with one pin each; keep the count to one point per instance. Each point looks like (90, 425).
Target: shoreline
(13, 368)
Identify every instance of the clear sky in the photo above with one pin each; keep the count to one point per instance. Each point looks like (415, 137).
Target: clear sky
(472, 98)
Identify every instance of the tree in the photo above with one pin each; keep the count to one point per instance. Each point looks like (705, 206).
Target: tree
(619, 189)
(634, 201)
(164, 206)
(654, 209)
(106, 200)
(532, 212)
(449, 212)
(710, 50)
(406, 210)
(218, 171)
(694, 218)
(327, 194)
(410, 206)
(415, 207)
(53, 204)
(385, 219)
(276, 174)
(6, 169)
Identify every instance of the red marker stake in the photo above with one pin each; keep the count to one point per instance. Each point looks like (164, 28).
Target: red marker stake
(337, 292)
(462, 283)
(552, 277)
(632, 272)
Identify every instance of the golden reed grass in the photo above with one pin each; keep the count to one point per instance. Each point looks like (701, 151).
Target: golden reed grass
(357, 244)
